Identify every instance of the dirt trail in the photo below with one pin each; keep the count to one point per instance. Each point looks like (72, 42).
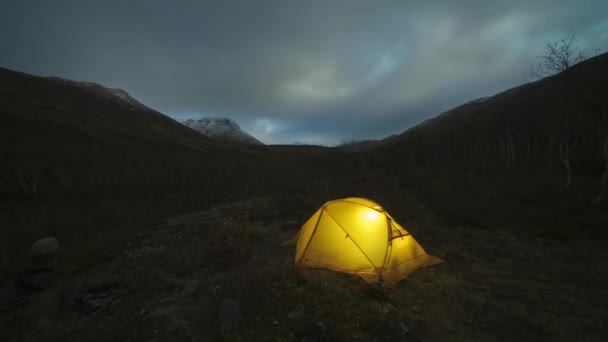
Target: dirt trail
(169, 282)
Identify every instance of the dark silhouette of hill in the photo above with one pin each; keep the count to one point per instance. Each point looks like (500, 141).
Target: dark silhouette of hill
(364, 145)
(570, 105)
(59, 136)
(538, 148)
(109, 116)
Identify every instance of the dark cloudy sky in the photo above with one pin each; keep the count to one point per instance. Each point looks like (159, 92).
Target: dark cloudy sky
(314, 71)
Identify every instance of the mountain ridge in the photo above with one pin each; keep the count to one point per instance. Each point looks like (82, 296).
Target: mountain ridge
(222, 129)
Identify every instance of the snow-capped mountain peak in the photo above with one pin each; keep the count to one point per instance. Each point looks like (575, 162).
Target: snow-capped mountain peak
(221, 129)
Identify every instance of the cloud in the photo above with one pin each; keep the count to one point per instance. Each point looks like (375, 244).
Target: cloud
(316, 71)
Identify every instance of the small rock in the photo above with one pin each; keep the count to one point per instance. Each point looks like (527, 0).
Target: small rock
(386, 308)
(229, 317)
(416, 309)
(322, 326)
(297, 312)
(43, 254)
(164, 311)
(43, 247)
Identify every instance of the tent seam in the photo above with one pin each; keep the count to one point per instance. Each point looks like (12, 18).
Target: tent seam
(367, 206)
(314, 231)
(348, 235)
(416, 257)
(389, 229)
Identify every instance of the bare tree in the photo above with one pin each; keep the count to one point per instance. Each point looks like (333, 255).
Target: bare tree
(558, 57)
(565, 150)
(566, 147)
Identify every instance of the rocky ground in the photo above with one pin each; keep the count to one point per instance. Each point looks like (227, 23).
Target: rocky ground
(227, 274)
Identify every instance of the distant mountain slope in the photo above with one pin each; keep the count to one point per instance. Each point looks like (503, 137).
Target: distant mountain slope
(364, 145)
(60, 136)
(110, 116)
(222, 129)
(563, 105)
(532, 156)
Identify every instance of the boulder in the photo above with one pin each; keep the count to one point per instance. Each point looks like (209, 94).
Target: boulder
(43, 254)
(45, 247)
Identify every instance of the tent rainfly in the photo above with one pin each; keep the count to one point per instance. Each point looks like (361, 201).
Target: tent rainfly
(355, 235)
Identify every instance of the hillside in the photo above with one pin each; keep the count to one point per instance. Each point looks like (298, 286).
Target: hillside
(364, 145)
(64, 135)
(110, 116)
(59, 136)
(501, 160)
(570, 104)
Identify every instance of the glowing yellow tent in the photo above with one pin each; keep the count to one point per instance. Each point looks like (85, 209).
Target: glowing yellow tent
(355, 235)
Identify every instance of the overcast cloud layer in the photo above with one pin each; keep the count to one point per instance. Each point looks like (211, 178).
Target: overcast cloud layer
(296, 71)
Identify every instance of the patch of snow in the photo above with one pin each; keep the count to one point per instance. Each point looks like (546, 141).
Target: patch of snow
(479, 100)
(222, 129)
(120, 95)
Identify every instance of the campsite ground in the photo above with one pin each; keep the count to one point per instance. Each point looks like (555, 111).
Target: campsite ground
(167, 282)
